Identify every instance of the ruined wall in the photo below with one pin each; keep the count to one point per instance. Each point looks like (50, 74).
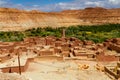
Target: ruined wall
(111, 73)
(106, 58)
(42, 58)
(13, 69)
(113, 44)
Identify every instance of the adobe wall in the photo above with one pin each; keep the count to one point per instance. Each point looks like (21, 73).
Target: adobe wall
(12, 69)
(46, 52)
(107, 58)
(16, 68)
(42, 58)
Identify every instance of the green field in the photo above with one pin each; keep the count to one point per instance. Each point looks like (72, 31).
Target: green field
(96, 33)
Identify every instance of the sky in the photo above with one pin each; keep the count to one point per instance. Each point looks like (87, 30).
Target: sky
(58, 5)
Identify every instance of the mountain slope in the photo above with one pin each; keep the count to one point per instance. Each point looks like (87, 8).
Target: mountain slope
(15, 20)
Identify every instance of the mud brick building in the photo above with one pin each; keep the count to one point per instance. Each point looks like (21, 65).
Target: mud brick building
(52, 47)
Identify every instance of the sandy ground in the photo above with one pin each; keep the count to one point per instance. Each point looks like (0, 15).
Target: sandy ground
(63, 70)
(12, 76)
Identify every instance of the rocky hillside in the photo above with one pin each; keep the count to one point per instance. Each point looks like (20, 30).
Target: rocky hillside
(13, 19)
(97, 15)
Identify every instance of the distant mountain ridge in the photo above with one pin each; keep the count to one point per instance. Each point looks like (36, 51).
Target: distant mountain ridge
(16, 20)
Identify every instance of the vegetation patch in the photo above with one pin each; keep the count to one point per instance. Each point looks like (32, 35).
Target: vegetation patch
(96, 33)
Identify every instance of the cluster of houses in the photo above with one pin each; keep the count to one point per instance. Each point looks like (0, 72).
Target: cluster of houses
(59, 48)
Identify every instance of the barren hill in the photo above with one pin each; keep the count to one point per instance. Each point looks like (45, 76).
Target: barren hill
(14, 19)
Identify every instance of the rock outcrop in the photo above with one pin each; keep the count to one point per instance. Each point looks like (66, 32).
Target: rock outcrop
(14, 19)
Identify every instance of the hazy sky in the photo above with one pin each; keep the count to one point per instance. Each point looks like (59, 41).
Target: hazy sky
(57, 5)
